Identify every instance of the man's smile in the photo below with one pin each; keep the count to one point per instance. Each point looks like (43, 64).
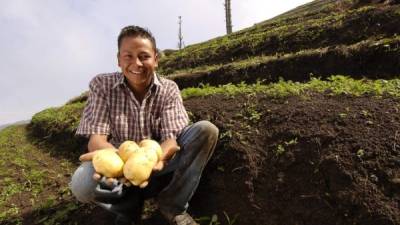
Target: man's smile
(135, 72)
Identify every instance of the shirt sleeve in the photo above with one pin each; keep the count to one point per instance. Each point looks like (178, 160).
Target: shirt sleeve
(95, 117)
(174, 116)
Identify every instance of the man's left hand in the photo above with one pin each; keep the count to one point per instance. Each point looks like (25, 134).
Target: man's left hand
(159, 166)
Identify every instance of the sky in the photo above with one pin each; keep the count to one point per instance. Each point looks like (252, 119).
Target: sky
(50, 50)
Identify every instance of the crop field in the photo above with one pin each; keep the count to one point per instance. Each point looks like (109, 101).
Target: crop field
(330, 136)
(308, 108)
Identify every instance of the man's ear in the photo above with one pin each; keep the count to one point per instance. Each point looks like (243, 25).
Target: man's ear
(156, 60)
(119, 64)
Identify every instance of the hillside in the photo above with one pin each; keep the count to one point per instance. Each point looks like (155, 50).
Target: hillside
(15, 123)
(296, 152)
(298, 144)
(321, 38)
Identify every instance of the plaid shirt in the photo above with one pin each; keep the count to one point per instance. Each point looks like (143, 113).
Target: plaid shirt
(113, 110)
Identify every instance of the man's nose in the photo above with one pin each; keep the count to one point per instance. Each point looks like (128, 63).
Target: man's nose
(137, 61)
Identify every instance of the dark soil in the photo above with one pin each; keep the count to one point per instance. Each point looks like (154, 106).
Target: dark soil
(311, 159)
(315, 159)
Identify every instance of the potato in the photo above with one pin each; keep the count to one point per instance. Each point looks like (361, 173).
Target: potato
(138, 167)
(126, 149)
(153, 145)
(108, 163)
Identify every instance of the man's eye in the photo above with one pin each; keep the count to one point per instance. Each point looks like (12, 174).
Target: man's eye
(143, 57)
(127, 56)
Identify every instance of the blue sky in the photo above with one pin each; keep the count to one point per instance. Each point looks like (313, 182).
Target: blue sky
(51, 49)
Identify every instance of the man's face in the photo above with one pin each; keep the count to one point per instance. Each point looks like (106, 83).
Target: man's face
(138, 61)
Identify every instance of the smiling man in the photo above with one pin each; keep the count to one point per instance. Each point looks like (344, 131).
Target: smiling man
(137, 104)
(138, 61)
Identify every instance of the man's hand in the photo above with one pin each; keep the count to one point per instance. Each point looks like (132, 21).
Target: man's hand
(169, 147)
(98, 177)
(87, 156)
(159, 166)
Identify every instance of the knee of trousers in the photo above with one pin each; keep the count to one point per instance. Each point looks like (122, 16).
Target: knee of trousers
(82, 183)
(207, 130)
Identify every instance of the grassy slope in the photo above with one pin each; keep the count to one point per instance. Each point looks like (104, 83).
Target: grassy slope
(57, 125)
(373, 58)
(236, 44)
(332, 34)
(37, 175)
(32, 180)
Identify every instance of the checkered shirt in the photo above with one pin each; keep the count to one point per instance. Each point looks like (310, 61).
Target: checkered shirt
(113, 110)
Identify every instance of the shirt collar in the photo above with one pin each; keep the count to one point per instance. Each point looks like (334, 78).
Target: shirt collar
(153, 86)
(120, 80)
(156, 80)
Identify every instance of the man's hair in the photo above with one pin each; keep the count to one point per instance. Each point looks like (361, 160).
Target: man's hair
(136, 31)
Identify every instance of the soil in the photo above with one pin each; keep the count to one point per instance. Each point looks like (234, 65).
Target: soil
(310, 159)
(313, 159)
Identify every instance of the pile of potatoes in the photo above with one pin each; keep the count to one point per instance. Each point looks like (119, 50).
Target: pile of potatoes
(133, 161)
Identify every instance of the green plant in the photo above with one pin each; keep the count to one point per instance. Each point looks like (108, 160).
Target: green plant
(365, 113)
(249, 111)
(279, 150)
(336, 84)
(227, 134)
(213, 220)
(229, 220)
(291, 142)
(360, 153)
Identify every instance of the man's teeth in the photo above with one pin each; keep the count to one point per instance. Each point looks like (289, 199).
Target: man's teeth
(135, 72)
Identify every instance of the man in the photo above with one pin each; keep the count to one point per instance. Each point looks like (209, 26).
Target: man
(137, 104)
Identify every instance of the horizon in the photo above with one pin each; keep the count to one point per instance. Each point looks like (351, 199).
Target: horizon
(51, 50)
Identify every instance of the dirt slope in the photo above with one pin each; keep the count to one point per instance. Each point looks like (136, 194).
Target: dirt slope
(314, 159)
(310, 159)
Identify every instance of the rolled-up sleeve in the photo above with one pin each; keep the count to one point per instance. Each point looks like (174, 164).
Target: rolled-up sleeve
(95, 116)
(174, 116)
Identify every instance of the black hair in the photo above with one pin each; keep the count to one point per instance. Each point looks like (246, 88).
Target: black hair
(136, 31)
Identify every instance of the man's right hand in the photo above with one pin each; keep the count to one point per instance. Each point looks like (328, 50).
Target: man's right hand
(87, 156)
(96, 176)
(110, 181)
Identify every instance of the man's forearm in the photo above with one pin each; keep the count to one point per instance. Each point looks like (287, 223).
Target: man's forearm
(97, 142)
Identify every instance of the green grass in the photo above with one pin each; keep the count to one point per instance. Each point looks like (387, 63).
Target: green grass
(61, 121)
(56, 127)
(25, 172)
(58, 119)
(81, 98)
(334, 85)
(387, 44)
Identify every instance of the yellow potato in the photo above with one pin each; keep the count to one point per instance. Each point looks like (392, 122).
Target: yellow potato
(153, 145)
(108, 163)
(140, 160)
(126, 149)
(138, 168)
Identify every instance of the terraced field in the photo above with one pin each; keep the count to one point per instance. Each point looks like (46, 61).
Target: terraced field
(297, 145)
